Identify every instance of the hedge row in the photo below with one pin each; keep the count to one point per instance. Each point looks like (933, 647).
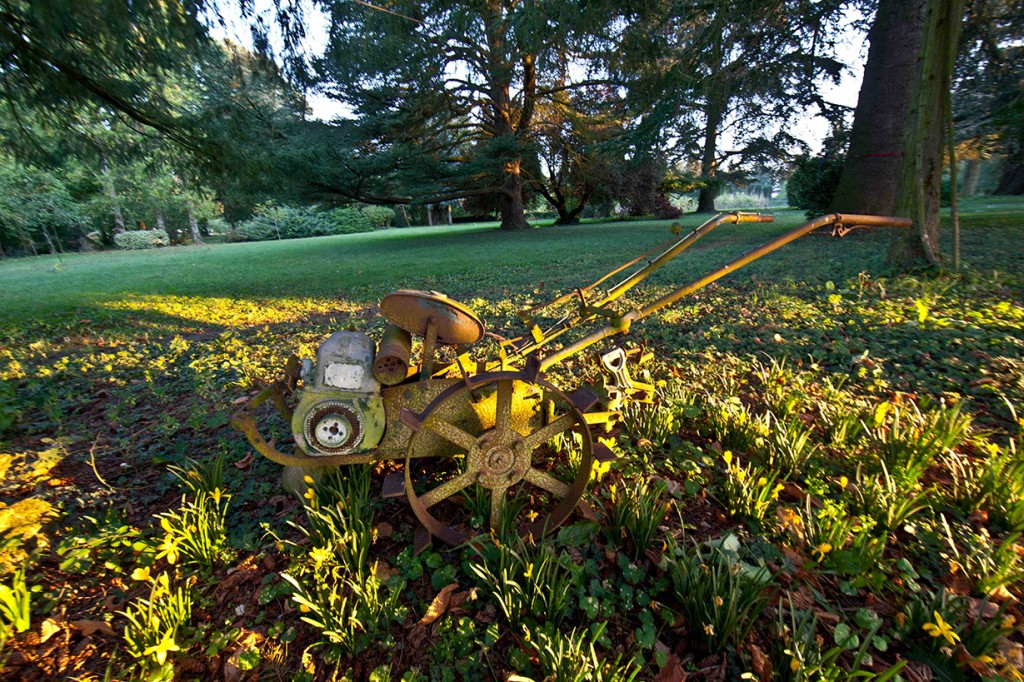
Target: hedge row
(285, 222)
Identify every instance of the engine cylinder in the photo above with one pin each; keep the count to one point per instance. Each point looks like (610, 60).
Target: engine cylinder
(391, 366)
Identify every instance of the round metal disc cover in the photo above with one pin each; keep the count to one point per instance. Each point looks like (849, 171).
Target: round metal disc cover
(333, 427)
(410, 310)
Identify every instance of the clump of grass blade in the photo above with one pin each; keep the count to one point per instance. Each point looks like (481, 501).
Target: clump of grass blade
(573, 657)
(637, 511)
(531, 583)
(719, 596)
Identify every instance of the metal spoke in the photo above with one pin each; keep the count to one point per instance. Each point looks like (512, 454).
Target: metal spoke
(503, 408)
(547, 482)
(450, 433)
(498, 496)
(546, 433)
(447, 489)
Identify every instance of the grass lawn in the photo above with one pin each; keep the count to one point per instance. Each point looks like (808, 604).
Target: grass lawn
(829, 479)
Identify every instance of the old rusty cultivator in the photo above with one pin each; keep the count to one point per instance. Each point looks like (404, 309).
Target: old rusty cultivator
(489, 429)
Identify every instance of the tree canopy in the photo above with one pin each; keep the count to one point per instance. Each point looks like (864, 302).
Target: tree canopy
(501, 104)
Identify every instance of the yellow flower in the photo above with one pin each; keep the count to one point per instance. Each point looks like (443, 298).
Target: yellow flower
(141, 573)
(303, 608)
(319, 555)
(762, 481)
(529, 571)
(821, 550)
(718, 601)
(794, 664)
(740, 474)
(532, 515)
(310, 494)
(709, 629)
(727, 456)
(216, 495)
(843, 482)
(165, 523)
(165, 646)
(308, 479)
(169, 549)
(941, 628)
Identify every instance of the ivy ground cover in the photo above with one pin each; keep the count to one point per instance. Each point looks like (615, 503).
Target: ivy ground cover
(829, 481)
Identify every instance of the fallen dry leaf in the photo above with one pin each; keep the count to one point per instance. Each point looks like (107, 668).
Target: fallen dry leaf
(439, 605)
(460, 598)
(761, 664)
(244, 462)
(381, 571)
(88, 627)
(48, 629)
(672, 672)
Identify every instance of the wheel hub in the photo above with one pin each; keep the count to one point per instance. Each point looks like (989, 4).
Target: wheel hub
(499, 460)
(497, 464)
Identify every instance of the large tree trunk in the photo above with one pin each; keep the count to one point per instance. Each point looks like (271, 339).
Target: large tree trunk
(115, 201)
(1011, 180)
(499, 75)
(160, 223)
(921, 176)
(193, 226)
(510, 199)
(709, 157)
(870, 177)
(894, 166)
(971, 176)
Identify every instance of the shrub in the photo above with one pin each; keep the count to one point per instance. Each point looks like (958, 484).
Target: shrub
(141, 239)
(286, 222)
(350, 221)
(379, 216)
(813, 183)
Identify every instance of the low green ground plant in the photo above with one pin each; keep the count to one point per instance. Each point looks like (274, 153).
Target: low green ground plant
(121, 371)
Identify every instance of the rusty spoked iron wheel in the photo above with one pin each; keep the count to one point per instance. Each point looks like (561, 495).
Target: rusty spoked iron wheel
(504, 450)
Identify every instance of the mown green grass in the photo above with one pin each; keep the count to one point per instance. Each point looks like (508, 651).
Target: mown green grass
(116, 365)
(474, 258)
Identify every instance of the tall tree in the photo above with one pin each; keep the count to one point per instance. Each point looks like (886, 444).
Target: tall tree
(575, 141)
(57, 55)
(894, 164)
(446, 94)
(725, 78)
(989, 96)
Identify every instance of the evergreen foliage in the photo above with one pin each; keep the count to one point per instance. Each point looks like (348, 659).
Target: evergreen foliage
(286, 222)
(812, 186)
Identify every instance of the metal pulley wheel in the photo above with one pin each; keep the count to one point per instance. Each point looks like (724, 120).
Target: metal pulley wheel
(333, 426)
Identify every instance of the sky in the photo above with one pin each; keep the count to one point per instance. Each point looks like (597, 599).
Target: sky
(851, 50)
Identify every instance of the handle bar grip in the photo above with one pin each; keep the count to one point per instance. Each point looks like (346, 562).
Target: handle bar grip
(754, 218)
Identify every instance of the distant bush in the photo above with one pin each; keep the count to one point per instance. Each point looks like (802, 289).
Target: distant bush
(141, 239)
(663, 208)
(379, 216)
(218, 226)
(286, 222)
(813, 183)
(349, 221)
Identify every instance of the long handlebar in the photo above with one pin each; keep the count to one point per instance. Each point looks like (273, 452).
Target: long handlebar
(590, 310)
(622, 324)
